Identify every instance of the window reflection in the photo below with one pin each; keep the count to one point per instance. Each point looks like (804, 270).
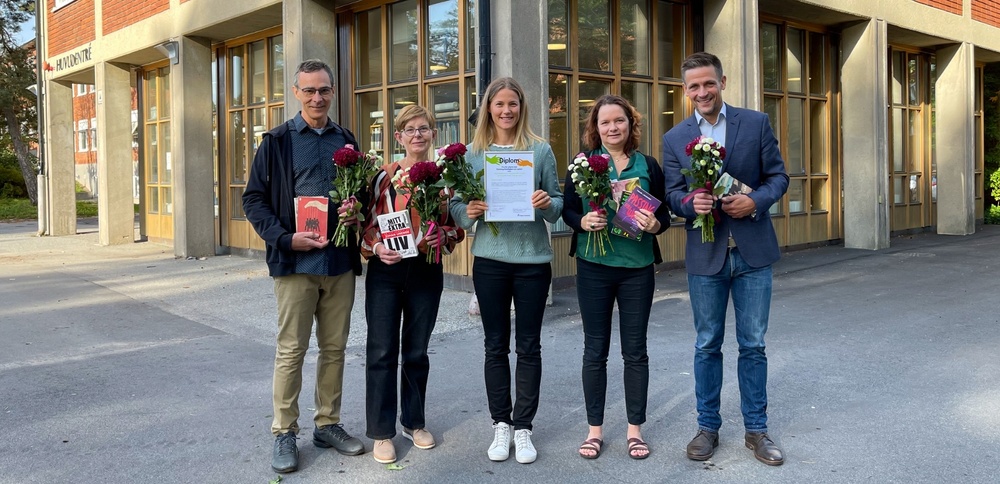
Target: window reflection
(635, 30)
(403, 40)
(368, 47)
(793, 59)
(670, 38)
(442, 37)
(595, 35)
(770, 56)
(558, 45)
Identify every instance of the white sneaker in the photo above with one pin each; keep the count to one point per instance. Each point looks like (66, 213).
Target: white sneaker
(500, 448)
(524, 451)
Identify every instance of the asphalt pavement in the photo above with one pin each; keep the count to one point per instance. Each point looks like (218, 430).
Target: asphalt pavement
(126, 364)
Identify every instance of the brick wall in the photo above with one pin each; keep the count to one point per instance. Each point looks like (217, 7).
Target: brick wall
(118, 14)
(986, 11)
(950, 6)
(70, 26)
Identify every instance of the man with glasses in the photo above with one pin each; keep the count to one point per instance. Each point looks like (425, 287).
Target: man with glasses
(312, 278)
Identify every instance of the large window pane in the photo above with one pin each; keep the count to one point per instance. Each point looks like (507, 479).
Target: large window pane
(914, 189)
(897, 189)
(399, 98)
(257, 70)
(151, 104)
(817, 74)
(770, 54)
(470, 35)
(669, 111)
(914, 84)
(819, 196)
(635, 30)
(817, 137)
(897, 139)
(670, 38)
(368, 46)
(771, 106)
(276, 69)
(916, 154)
(794, 58)
(558, 34)
(595, 35)
(796, 138)
(153, 203)
(237, 148)
(236, 203)
(898, 77)
(403, 40)
(639, 93)
(152, 154)
(167, 199)
(374, 130)
(259, 122)
(236, 76)
(590, 90)
(442, 37)
(168, 167)
(443, 101)
(796, 195)
(164, 92)
(559, 136)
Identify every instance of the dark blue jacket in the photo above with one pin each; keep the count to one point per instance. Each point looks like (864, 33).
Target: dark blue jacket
(269, 201)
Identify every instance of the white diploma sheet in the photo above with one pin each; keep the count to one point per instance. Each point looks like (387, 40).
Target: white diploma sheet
(509, 178)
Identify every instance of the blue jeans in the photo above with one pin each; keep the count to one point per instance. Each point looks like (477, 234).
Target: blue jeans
(401, 306)
(527, 285)
(751, 292)
(598, 287)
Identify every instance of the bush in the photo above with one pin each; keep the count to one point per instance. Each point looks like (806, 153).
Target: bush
(11, 181)
(992, 215)
(994, 184)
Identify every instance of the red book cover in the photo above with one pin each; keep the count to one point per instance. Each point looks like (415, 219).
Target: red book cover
(312, 214)
(624, 223)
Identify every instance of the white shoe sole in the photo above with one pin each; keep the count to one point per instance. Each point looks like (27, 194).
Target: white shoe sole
(415, 444)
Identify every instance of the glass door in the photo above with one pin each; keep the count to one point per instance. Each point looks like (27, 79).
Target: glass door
(157, 161)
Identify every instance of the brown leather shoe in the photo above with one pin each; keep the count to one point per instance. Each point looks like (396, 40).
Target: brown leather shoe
(703, 445)
(764, 449)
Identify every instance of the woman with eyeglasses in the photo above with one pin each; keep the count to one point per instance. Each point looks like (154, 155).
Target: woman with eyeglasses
(402, 298)
(623, 274)
(513, 265)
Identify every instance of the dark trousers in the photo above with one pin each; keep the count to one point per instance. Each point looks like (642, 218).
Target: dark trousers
(401, 306)
(497, 284)
(598, 287)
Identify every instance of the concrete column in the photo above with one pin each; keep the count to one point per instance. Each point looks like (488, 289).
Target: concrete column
(309, 31)
(116, 217)
(732, 32)
(955, 148)
(519, 28)
(191, 130)
(864, 72)
(60, 165)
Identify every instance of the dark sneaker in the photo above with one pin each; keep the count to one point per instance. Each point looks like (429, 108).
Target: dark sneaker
(703, 445)
(764, 449)
(335, 436)
(285, 457)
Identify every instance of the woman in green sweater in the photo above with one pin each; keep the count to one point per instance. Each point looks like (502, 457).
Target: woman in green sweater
(513, 265)
(624, 274)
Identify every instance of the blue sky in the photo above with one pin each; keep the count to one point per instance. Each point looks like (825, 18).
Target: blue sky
(27, 31)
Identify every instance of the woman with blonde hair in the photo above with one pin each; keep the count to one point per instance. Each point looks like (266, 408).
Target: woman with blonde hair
(401, 298)
(513, 265)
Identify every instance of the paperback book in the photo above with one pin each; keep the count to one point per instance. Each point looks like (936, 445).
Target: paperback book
(312, 214)
(624, 224)
(732, 186)
(397, 233)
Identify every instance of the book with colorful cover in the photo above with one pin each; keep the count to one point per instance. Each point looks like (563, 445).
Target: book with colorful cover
(312, 214)
(397, 233)
(624, 224)
(732, 186)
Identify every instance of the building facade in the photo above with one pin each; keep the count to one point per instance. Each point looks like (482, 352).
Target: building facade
(877, 105)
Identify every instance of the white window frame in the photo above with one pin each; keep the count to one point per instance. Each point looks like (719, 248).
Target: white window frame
(81, 89)
(82, 131)
(93, 134)
(57, 4)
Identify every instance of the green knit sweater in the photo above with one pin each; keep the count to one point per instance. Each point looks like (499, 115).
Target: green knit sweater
(517, 242)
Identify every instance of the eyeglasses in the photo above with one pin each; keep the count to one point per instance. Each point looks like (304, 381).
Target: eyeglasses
(311, 91)
(423, 130)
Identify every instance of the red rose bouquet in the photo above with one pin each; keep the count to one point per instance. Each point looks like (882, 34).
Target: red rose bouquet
(592, 178)
(422, 182)
(458, 176)
(706, 162)
(354, 171)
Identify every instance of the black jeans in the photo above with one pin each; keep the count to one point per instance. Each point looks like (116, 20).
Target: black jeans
(407, 292)
(497, 284)
(597, 288)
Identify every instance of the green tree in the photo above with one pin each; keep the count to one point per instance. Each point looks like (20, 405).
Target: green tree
(991, 138)
(17, 71)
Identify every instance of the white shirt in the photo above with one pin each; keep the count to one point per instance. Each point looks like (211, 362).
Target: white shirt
(715, 131)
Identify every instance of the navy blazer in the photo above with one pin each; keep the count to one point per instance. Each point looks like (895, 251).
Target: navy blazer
(752, 157)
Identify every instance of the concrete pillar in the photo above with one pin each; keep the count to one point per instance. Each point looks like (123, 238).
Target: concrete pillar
(116, 217)
(732, 32)
(309, 31)
(519, 28)
(864, 77)
(61, 164)
(191, 128)
(956, 157)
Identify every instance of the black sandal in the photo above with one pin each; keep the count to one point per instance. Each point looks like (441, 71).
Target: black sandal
(635, 444)
(593, 444)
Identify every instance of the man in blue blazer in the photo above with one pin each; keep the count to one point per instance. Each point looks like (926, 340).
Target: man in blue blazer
(738, 262)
